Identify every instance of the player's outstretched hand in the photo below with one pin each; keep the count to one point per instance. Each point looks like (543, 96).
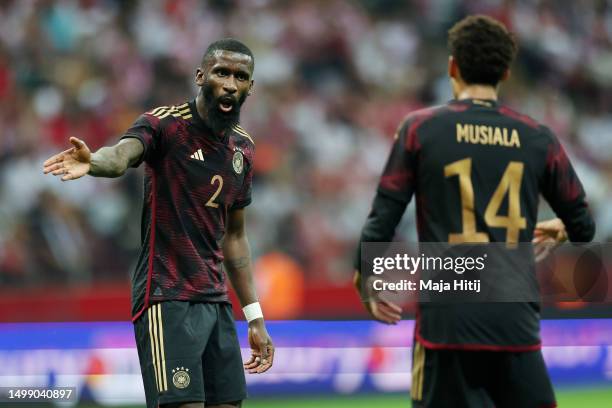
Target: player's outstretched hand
(71, 164)
(547, 236)
(262, 349)
(382, 310)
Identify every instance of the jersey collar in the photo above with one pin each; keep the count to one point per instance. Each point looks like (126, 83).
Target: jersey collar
(487, 103)
(197, 119)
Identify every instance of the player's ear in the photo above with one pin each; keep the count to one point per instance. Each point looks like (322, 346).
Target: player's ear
(199, 77)
(252, 84)
(506, 75)
(453, 69)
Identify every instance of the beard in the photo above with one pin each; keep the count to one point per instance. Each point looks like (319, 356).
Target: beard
(218, 120)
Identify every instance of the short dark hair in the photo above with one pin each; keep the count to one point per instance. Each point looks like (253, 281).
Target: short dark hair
(483, 49)
(227, 44)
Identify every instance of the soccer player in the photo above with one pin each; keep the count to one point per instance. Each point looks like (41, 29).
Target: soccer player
(476, 169)
(198, 171)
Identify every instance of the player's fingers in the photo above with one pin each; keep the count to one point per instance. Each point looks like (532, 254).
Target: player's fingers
(381, 315)
(59, 171)
(547, 224)
(263, 368)
(267, 354)
(394, 307)
(77, 143)
(249, 361)
(53, 159)
(561, 236)
(389, 317)
(540, 256)
(392, 313)
(52, 167)
(384, 319)
(383, 307)
(57, 158)
(252, 368)
(376, 313)
(548, 229)
(270, 354)
(253, 362)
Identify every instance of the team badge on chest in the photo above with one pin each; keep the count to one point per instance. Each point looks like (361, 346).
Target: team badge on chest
(238, 161)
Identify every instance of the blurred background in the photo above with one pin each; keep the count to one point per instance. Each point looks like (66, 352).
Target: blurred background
(333, 79)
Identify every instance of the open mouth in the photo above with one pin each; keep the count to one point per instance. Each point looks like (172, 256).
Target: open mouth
(226, 105)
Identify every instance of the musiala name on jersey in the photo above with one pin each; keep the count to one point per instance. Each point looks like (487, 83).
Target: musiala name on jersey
(457, 285)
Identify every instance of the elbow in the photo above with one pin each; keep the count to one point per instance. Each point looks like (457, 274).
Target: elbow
(585, 233)
(119, 172)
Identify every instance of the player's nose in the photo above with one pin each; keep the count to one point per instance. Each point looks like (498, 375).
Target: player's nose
(229, 86)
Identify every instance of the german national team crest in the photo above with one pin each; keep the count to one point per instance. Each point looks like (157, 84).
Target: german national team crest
(238, 162)
(180, 377)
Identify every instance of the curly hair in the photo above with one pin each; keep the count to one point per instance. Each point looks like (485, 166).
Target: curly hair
(483, 49)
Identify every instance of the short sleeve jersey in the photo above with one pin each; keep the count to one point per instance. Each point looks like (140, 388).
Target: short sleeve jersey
(192, 179)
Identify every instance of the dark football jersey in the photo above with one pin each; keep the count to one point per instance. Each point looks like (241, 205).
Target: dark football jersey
(192, 179)
(476, 170)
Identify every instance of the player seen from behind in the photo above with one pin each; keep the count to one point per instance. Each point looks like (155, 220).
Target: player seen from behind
(476, 169)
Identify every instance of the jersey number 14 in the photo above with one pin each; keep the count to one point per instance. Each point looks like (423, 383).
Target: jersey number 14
(510, 185)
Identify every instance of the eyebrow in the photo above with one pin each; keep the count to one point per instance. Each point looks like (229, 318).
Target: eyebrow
(220, 65)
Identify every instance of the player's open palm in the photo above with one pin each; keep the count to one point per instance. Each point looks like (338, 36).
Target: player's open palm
(262, 349)
(71, 164)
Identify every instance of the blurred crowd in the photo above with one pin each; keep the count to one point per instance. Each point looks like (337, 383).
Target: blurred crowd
(333, 78)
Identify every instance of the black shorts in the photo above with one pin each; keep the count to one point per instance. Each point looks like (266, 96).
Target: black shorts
(189, 352)
(479, 379)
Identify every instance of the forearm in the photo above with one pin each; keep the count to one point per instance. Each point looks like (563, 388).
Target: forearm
(114, 161)
(237, 263)
(579, 222)
(380, 226)
(106, 163)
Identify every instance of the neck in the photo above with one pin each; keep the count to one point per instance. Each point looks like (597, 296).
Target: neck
(478, 92)
(201, 107)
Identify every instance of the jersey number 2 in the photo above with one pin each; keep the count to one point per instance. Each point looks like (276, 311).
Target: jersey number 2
(510, 185)
(211, 200)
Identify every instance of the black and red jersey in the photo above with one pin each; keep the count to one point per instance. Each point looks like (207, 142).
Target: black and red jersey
(476, 169)
(192, 179)
(455, 157)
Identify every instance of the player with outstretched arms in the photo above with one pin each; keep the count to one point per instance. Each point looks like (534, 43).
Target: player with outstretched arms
(198, 172)
(476, 169)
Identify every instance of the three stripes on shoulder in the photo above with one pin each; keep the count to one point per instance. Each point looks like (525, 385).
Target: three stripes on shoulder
(238, 129)
(180, 111)
(183, 111)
